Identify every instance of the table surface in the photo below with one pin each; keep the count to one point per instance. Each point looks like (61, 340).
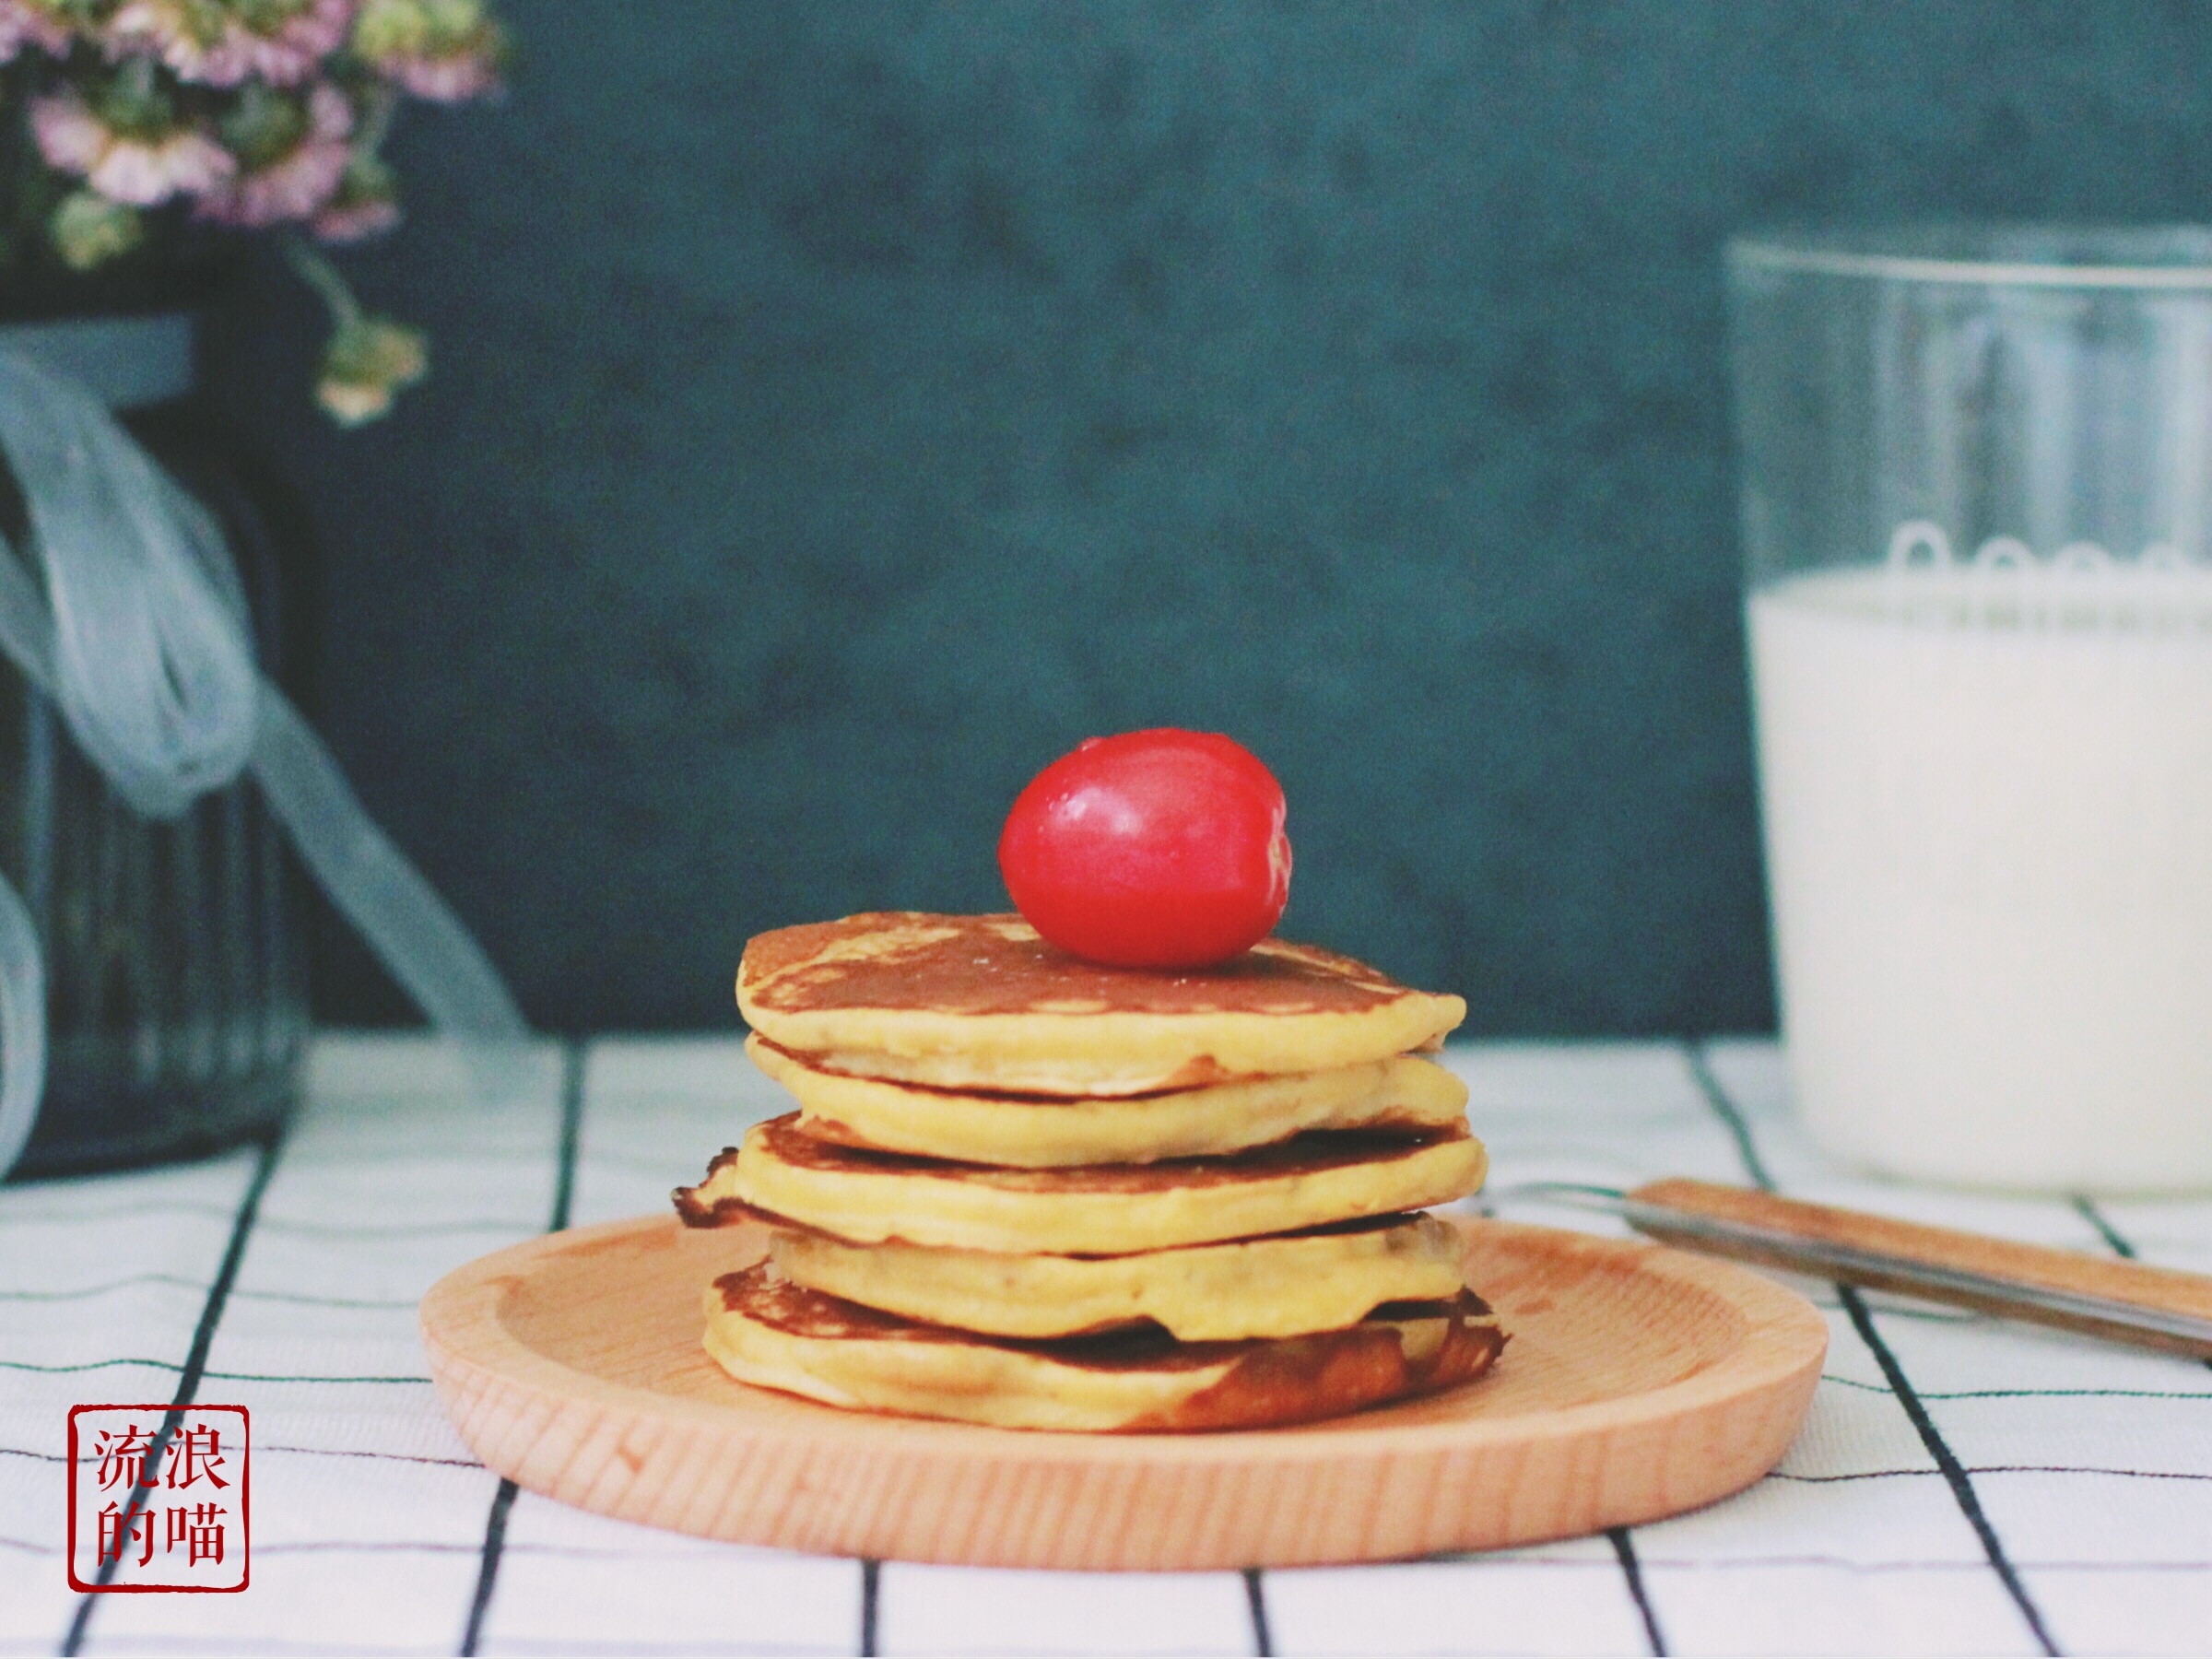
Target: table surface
(1962, 1486)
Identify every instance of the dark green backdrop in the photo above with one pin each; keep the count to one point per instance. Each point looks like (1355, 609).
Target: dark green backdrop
(843, 409)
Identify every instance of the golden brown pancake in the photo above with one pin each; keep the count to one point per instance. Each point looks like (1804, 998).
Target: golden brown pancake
(1101, 1209)
(1034, 1132)
(765, 1330)
(1320, 1280)
(983, 1002)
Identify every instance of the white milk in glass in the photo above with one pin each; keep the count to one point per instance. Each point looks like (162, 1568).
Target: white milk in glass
(1988, 806)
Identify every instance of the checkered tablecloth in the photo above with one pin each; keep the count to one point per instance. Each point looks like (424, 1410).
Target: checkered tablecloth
(1962, 1486)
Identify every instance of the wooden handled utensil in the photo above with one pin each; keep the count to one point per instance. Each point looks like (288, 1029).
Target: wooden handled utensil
(2121, 1302)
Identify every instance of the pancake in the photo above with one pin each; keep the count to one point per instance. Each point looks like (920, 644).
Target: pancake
(1281, 1286)
(983, 1002)
(1034, 1132)
(765, 1330)
(1102, 1209)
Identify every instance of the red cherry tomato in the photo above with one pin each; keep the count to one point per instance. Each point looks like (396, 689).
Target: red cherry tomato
(1160, 849)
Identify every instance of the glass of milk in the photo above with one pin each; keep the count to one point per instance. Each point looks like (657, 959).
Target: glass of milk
(1977, 511)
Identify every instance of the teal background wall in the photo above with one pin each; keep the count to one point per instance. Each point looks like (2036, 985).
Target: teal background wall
(841, 410)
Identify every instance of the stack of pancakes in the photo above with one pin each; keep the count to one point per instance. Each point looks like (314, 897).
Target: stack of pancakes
(1029, 1190)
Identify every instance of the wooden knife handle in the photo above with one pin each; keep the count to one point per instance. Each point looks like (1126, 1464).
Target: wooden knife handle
(2157, 1289)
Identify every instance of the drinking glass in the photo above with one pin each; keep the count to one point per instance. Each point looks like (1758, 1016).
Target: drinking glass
(1976, 476)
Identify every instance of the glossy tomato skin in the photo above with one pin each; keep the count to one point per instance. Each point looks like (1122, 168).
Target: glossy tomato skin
(1156, 849)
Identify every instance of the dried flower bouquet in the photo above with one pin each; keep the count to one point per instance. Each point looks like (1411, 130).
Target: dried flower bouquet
(140, 130)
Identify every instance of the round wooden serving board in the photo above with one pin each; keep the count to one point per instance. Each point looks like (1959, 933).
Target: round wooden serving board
(1639, 1382)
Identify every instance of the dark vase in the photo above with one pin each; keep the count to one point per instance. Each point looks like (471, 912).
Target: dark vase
(176, 971)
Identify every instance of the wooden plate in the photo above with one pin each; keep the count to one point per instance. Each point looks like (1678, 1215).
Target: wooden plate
(1640, 1382)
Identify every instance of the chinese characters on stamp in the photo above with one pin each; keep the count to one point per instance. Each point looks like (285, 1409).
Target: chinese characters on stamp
(158, 1498)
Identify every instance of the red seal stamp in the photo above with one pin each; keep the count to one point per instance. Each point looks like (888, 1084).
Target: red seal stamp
(158, 1498)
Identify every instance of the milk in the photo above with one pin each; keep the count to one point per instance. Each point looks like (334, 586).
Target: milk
(1988, 811)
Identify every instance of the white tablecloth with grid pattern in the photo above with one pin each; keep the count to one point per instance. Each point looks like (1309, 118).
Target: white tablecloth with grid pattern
(1962, 1486)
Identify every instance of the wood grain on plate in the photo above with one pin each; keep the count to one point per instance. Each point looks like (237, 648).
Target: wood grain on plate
(1640, 1382)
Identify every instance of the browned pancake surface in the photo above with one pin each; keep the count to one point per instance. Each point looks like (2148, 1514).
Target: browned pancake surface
(1304, 1154)
(996, 964)
(1271, 1380)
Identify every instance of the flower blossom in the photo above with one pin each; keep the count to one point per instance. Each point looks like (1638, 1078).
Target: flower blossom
(25, 23)
(446, 51)
(368, 363)
(282, 41)
(453, 79)
(89, 229)
(355, 221)
(140, 168)
(300, 179)
(367, 203)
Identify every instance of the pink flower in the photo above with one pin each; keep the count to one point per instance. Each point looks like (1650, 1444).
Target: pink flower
(141, 169)
(444, 50)
(299, 182)
(367, 204)
(452, 79)
(345, 221)
(23, 24)
(174, 32)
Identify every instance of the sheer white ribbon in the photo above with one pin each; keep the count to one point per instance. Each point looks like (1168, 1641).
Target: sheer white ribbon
(142, 643)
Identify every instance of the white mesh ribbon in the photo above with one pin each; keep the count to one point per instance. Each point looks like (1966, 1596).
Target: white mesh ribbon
(142, 640)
